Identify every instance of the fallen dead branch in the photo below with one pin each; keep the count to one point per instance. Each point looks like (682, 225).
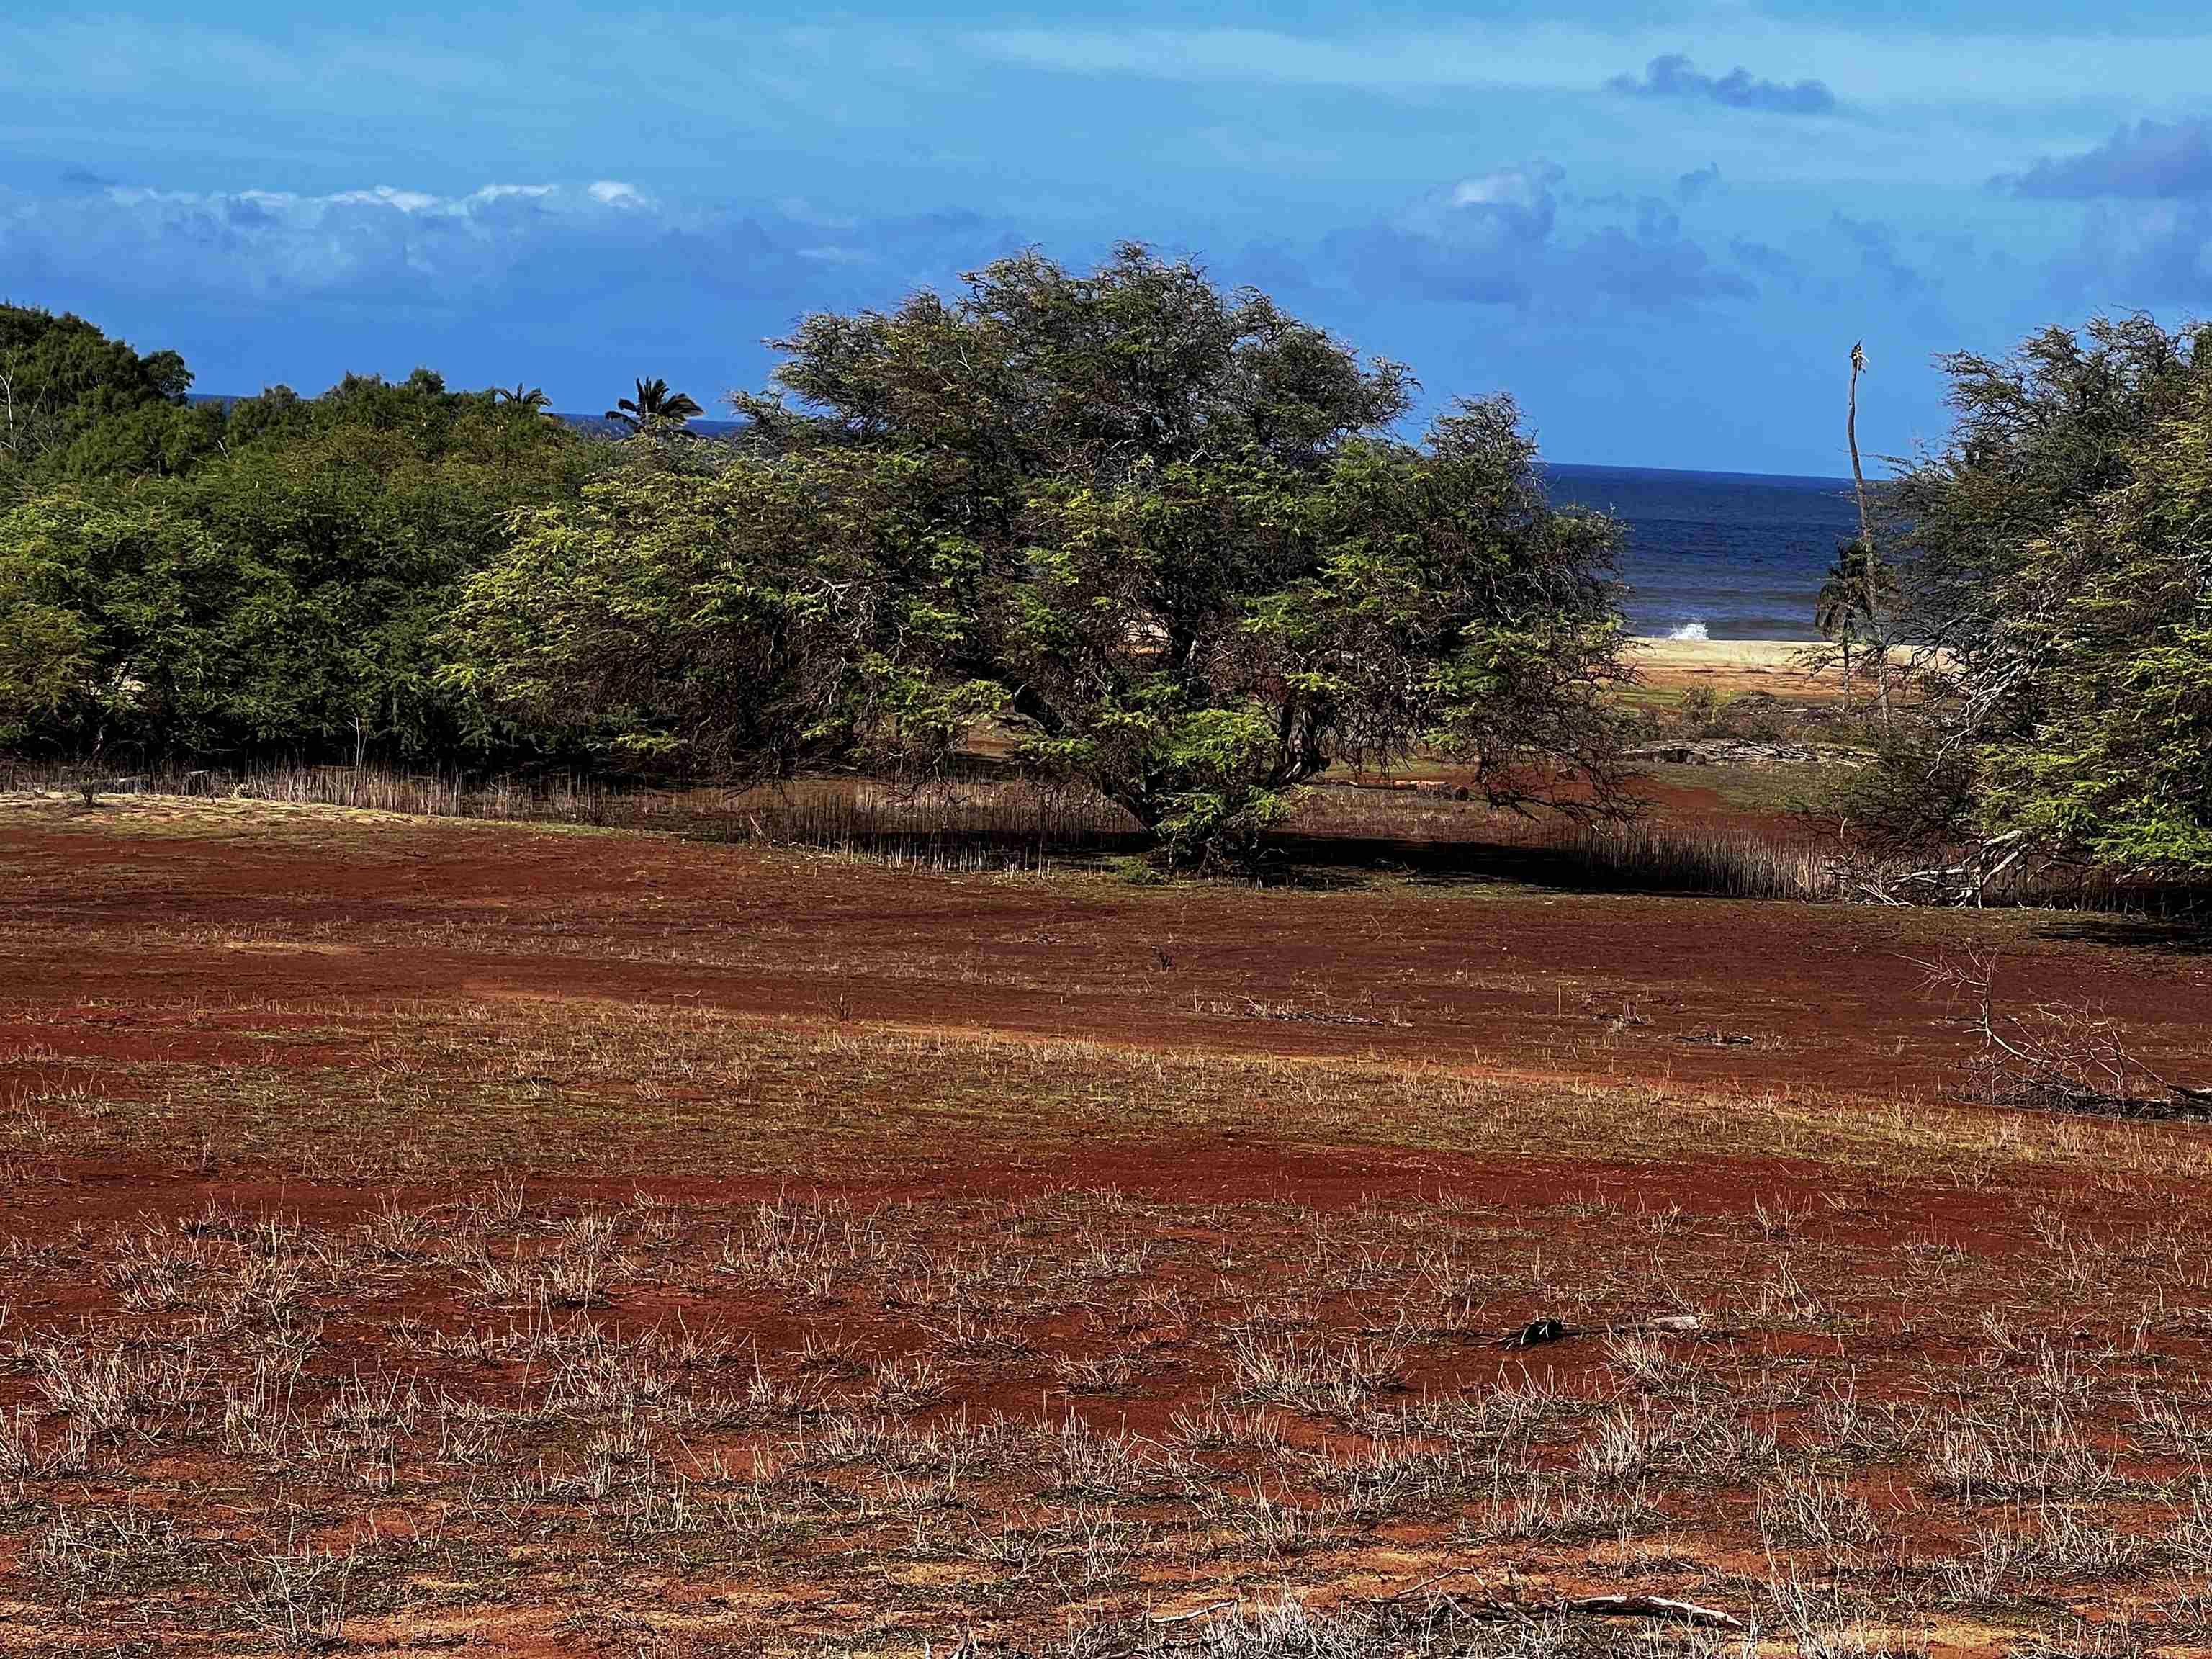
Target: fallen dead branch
(1650, 1607)
(1537, 1332)
(2052, 1056)
(1210, 1608)
(1387, 1623)
(1598, 1607)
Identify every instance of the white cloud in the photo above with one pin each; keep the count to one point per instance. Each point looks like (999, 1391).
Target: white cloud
(1520, 187)
(407, 201)
(1508, 238)
(396, 243)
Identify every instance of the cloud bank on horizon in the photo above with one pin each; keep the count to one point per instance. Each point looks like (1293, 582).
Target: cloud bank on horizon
(1660, 229)
(1674, 75)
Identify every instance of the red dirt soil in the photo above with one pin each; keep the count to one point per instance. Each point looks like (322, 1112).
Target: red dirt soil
(126, 940)
(1454, 971)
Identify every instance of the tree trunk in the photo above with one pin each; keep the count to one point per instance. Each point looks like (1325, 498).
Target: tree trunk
(1871, 570)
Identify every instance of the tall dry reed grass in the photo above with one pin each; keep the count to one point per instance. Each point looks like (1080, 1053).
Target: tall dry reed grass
(1755, 862)
(996, 824)
(961, 825)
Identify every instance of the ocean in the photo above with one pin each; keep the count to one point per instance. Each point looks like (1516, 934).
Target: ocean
(1723, 555)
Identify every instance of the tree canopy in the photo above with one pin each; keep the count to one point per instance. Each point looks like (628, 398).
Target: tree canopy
(1157, 538)
(1163, 536)
(735, 620)
(278, 594)
(2054, 574)
(1034, 369)
(72, 401)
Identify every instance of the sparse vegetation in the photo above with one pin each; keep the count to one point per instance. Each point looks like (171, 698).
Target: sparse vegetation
(744, 1157)
(428, 1315)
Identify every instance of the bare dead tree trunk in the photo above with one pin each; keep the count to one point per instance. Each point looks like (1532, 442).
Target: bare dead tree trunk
(1870, 571)
(1852, 434)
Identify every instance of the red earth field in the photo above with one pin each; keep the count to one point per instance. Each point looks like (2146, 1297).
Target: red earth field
(425, 1236)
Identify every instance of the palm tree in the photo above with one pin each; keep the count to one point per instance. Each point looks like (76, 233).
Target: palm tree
(533, 397)
(1845, 611)
(653, 407)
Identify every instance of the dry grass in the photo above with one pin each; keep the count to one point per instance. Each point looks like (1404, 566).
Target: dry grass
(1740, 861)
(443, 1087)
(336, 1474)
(1013, 827)
(596, 1325)
(961, 825)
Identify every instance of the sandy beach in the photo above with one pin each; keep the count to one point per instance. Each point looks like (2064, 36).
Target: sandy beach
(1732, 666)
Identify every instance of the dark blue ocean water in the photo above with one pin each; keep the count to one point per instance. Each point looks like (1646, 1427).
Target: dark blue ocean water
(1740, 554)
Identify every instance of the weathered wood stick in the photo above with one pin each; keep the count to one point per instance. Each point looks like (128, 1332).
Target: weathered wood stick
(1538, 1332)
(1195, 1613)
(1652, 1606)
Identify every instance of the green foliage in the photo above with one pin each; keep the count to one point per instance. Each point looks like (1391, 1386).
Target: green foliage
(737, 622)
(1035, 371)
(2037, 435)
(2055, 579)
(655, 409)
(2119, 769)
(1854, 593)
(1198, 570)
(47, 660)
(279, 596)
(1160, 537)
(74, 402)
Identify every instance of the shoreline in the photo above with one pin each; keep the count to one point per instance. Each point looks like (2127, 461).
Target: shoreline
(1713, 654)
(1776, 666)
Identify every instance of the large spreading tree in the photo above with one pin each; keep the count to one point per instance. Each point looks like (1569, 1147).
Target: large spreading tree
(1163, 534)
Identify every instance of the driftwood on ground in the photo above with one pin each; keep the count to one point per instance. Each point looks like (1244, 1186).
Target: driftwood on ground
(1392, 1618)
(1537, 1332)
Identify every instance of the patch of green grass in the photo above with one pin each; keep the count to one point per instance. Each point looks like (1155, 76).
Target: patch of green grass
(1779, 787)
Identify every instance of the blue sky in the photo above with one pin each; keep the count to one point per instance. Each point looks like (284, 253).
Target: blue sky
(1659, 226)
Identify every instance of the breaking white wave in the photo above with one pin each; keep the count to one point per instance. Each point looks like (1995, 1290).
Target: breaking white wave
(1693, 630)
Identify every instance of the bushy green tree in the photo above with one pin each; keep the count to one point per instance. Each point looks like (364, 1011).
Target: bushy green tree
(2036, 434)
(2117, 650)
(734, 618)
(2052, 580)
(1197, 642)
(1159, 532)
(277, 597)
(47, 668)
(74, 402)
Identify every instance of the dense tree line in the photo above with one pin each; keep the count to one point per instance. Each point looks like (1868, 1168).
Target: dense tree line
(1157, 538)
(1153, 537)
(216, 583)
(1158, 535)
